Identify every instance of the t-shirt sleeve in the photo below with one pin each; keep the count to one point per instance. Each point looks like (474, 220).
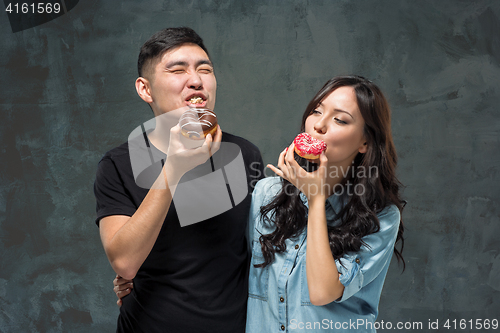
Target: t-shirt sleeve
(110, 193)
(360, 268)
(256, 169)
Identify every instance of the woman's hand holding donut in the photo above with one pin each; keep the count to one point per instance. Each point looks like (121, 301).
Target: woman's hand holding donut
(312, 184)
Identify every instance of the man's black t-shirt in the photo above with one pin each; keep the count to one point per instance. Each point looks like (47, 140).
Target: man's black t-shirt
(195, 277)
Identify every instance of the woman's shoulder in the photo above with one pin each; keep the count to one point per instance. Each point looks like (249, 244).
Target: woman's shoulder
(268, 186)
(389, 217)
(265, 190)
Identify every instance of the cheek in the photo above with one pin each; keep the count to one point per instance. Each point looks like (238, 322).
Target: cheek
(341, 142)
(170, 88)
(208, 80)
(309, 126)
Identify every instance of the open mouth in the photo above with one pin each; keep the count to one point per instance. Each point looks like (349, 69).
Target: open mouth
(197, 101)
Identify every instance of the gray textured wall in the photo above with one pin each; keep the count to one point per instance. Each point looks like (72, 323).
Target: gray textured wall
(67, 96)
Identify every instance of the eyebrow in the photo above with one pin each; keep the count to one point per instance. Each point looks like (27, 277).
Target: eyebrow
(184, 63)
(338, 110)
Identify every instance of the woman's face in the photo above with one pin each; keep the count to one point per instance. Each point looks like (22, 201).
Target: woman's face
(338, 121)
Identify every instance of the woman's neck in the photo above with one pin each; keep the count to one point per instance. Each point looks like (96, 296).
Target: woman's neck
(337, 173)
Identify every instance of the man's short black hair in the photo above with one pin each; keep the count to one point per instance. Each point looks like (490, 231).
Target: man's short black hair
(165, 40)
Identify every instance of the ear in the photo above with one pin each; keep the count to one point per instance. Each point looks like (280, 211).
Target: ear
(363, 148)
(143, 89)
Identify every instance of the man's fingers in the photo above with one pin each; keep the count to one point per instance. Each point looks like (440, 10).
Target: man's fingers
(216, 141)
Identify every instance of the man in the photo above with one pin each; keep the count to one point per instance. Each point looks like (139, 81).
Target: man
(186, 279)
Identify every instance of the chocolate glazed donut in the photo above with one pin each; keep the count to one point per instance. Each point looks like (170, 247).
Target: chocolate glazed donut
(198, 123)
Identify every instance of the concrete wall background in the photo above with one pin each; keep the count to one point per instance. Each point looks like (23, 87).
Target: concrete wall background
(67, 96)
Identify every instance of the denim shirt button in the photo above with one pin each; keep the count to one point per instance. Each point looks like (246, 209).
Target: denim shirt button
(282, 327)
(297, 247)
(282, 299)
(357, 261)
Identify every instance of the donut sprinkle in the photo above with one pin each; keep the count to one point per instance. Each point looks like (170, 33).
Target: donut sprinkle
(307, 145)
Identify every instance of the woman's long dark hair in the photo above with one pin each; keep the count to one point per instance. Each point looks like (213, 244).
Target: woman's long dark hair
(359, 215)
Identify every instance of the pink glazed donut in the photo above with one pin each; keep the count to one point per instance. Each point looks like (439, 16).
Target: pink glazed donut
(308, 147)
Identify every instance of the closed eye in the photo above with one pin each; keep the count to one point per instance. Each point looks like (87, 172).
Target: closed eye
(341, 122)
(206, 70)
(176, 70)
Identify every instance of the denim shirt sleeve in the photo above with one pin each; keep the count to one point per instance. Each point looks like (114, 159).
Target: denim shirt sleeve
(253, 214)
(360, 268)
(263, 191)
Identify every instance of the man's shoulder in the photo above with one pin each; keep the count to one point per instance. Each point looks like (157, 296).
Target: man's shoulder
(250, 151)
(117, 159)
(243, 143)
(117, 152)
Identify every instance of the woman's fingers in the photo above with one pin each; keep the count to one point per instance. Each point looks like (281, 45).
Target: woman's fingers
(123, 293)
(323, 161)
(282, 165)
(295, 169)
(277, 171)
(120, 281)
(282, 168)
(122, 287)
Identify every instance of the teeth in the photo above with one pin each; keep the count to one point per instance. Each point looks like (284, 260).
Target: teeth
(196, 100)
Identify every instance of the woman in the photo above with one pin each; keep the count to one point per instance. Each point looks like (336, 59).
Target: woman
(322, 239)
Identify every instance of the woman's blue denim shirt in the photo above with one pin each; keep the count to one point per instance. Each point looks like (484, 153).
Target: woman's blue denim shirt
(278, 294)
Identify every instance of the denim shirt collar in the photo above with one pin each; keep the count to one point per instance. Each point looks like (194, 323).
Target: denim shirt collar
(333, 205)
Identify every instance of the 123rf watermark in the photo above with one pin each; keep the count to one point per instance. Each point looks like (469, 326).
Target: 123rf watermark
(366, 325)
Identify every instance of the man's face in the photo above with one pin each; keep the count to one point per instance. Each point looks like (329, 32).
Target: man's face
(183, 77)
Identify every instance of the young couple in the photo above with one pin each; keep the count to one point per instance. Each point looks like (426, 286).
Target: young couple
(319, 250)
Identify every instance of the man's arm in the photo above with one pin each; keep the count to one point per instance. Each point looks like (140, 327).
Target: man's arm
(128, 240)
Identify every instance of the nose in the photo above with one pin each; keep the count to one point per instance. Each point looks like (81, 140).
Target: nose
(194, 81)
(320, 125)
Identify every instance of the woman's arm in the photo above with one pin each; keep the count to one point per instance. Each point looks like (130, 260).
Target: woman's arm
(322, 274)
